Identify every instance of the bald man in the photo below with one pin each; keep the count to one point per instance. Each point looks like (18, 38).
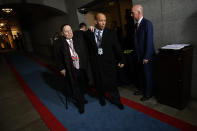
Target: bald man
(105, 57)
(145, 52)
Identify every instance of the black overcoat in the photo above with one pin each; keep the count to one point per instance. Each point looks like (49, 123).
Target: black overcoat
(104, 66)
(63, 58)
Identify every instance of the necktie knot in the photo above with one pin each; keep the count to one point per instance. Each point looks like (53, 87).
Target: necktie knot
(99, 33)
(70, 41)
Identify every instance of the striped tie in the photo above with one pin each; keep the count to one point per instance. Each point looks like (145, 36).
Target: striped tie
(99, 38)
(74, 55)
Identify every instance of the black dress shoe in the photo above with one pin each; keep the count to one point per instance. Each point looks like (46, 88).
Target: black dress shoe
(137, 92)
(102, 102)
(117, 103)
(144, 98)
(81, 109)
(85, 102)
(120, 106)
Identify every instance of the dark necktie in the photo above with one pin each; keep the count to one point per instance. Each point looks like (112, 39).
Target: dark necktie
(99, 38)
(137, 26)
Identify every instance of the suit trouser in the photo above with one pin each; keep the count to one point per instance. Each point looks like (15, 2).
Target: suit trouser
(78, 88)
(114, 95)
(145, 78)
(101, 90)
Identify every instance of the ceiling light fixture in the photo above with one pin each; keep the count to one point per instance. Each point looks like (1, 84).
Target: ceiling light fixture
(7, 10)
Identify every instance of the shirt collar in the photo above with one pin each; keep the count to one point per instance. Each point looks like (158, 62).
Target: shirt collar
(68, 40)
(139, 21)
(96, 30)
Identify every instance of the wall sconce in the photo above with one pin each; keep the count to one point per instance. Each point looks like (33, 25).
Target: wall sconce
(1, 24)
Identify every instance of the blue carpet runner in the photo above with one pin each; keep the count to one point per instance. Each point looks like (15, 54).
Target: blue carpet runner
(46, 86)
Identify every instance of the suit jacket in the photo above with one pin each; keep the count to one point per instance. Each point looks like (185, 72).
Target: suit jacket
(144, 46)
(63, 59)
(104, 66)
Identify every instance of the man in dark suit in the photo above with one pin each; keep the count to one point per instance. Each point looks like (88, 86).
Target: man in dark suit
(105, 56)
(71, 62)
(82, 29)
(82, 32)
(145, 51)
(82, 26)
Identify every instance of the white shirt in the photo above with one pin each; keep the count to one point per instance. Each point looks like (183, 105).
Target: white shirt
(139, 21)
(71, 52)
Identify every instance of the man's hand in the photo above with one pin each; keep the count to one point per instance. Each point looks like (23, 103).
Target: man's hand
(91, 28)
(120, 65)
(145, 61)
(63, 72)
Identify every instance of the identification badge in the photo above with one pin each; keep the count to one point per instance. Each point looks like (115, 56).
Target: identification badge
(100, 51)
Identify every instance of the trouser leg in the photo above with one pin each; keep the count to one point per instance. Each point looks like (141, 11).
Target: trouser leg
(148, 79)
(115, 96)
(140, 78)
(78, 89)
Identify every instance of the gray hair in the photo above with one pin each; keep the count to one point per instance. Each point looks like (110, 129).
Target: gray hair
(139, 8)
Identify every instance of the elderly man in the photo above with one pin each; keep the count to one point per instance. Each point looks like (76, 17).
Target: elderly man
(145, 51)
(105, 57)
(71, 63)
